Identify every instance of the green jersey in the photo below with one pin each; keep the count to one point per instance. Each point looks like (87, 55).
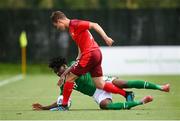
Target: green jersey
(83, 84)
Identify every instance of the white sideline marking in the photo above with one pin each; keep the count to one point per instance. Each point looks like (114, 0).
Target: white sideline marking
(10, 80)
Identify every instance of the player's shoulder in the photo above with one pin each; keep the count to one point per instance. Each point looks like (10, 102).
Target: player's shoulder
(74, 21)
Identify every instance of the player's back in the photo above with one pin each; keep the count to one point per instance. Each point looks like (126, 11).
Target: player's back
(79, 30)
(85, 85)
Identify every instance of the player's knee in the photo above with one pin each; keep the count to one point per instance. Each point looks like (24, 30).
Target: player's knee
(99, 83)
(99, 86)
(104, 103)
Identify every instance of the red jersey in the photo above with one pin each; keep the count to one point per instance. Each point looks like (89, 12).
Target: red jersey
(79, 32)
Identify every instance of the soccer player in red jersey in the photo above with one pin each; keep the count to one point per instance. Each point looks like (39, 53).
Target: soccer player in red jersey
(89, 58)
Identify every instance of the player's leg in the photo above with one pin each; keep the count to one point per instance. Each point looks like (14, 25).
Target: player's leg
(110, 87)
(104, 99)
(107, 104)
(79, 68)
(95, 69)
(97, 74)
(107, 86)
(140, 84)
(68, 87)
(127, 105)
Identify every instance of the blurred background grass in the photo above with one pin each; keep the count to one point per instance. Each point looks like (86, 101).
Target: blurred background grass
(14, 69)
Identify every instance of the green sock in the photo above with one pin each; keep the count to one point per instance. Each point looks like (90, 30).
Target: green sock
(125, 105)
(142, 84)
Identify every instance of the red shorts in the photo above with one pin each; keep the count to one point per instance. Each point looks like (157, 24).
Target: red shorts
(90, 62)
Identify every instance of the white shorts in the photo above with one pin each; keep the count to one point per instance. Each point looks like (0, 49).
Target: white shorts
(100, 95)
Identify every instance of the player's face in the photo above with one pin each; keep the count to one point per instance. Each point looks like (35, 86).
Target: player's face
(61, 70)
(59, 25)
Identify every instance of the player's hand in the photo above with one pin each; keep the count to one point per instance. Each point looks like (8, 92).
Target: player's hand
(37, 106)
(109, 41)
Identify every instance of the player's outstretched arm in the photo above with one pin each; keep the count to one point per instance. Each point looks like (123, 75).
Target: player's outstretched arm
(37, 106)
(66, 72)
(99, 30)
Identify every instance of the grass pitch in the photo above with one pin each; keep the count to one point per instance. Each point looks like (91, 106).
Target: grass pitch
(16, 99)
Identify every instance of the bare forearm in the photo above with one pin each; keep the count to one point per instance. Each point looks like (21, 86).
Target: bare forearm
(99, 30)
(63, 76)
(66, 71)
(50, 106)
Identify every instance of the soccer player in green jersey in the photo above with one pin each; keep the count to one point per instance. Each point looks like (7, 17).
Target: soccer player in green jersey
(85, 85)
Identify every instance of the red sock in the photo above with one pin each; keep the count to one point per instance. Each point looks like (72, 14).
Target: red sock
(68, 87)
(109, 87)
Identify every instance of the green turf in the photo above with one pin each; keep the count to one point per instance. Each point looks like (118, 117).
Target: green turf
(16, 99)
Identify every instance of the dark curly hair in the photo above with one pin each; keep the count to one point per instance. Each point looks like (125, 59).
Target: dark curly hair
(56, 63)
